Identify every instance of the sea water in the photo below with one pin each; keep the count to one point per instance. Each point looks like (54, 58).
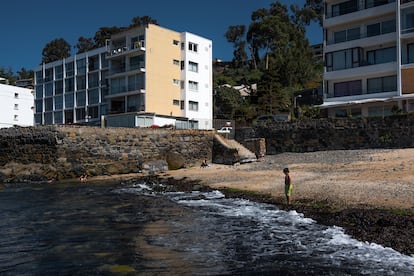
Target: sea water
(85, 229)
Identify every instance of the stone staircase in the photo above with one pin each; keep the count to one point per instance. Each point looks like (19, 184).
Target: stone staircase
(229, 151)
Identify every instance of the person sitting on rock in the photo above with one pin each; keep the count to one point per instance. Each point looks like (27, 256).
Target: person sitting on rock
(83, 177)
(205, 164)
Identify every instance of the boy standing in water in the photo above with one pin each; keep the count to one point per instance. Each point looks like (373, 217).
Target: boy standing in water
(288, 185)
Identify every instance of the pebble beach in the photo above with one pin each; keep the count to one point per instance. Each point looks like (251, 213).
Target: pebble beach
(368, 192)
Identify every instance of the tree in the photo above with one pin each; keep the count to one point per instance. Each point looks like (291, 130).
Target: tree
(282, 49)
(235, 35)
(55, 50)
(226, 101)
(105, 33)
(142, 21)
(313, 10)
(84, 45)
(7, 74)
(24, 74)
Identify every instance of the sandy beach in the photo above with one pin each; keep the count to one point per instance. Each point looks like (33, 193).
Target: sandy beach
(371, 178)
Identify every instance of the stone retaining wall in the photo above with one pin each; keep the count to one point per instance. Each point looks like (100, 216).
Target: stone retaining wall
(67, 152)
(333, 134)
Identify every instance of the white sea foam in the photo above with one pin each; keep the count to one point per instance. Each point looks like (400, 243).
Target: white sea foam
(305, 235)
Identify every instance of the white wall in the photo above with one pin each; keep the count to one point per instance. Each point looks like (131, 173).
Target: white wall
(16, 106)
(204, 77)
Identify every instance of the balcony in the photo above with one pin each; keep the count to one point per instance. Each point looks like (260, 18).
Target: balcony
(119, 50)
(357, 13)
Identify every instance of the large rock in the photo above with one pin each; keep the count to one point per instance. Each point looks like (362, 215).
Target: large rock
(175, 160)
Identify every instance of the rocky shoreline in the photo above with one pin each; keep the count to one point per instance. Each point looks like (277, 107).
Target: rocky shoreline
(387, 227)
(369, 193)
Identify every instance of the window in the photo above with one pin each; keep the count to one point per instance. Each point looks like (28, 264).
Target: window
(192, 47)
(376, 3)
(346, 35)
(48, 74)
(58, 87)
(93, 63)
(176, 102)
(81, 82)
(49, 89)
(353, 34)
(136, 82)
(381, 28)
(69, 69)
(193, 85)
(135, 103)
(345, 59)
(81, 66)
(382, 84)
(16, 117)
(410, 53)
(59, 102)
(176, 82)
(69, 85)
(182, 105)
(38, 106)
(93, 96)
(16, 106)
(193, 106)
(388, 26)
(374, 29)
(93, 112)
(176, 42)
(48, 118)
(69, 100)
(341, 113)
(340, 36)
(16, 95)
(382, 55)
(176, 62)
(118, 86)
(136, 62)
(59, 72)
(39, 91)
(68, 116)
(39, 77)
(104, 61)
(80, 114)
(192, 66)
(344, 8)
(93, 80)
(81, 98)
(348, 88)
(49, 104)
(58, 116)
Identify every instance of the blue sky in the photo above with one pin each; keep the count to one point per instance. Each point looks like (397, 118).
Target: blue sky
(26, 26)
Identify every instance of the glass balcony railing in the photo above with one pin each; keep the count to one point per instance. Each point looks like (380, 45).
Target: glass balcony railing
(354, 6)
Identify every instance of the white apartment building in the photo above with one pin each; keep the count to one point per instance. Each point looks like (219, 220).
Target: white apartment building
(16, 106)
(143, 77)
(369, 57)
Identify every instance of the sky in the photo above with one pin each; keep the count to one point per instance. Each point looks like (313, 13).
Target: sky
(26, 26)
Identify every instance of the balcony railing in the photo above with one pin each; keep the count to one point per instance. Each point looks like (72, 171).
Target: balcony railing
(360, 36)
(359, 6)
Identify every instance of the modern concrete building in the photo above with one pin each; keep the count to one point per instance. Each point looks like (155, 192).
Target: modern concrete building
(143, 77)
(369, 57)
(16, 106)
